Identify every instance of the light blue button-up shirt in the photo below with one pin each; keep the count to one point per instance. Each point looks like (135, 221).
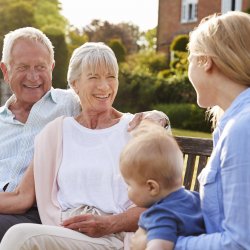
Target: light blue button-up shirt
(17, 138)
(225, 184)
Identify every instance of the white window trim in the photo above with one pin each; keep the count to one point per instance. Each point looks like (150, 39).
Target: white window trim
(185, 15)
(226, 5)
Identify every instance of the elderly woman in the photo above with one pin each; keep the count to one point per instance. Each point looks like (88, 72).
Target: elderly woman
(76, 180)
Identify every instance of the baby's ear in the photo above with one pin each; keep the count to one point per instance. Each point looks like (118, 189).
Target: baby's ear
(153, 187)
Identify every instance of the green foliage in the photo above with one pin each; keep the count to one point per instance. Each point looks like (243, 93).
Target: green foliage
(57, 38)
(179, 43)
(16, 15)
(186, 116)
(175, 89)
(99, 31)
(138, 91)
(148, 40)
(36, 13)
(145, 62)
(75, 39)
(118, 48)
(47, 12)
(179, 62)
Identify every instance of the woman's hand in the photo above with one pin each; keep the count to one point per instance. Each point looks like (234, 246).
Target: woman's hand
(155, 116)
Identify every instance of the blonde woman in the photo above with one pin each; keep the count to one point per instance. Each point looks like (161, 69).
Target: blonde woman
(219, 64)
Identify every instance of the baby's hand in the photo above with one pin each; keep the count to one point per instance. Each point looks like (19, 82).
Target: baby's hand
(139, 240)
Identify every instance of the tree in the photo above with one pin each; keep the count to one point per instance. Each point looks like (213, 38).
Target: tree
(104, 31)
(119, 49)
(57, 38)
(42, 14)
(47, 12)
(148, 40)
(75, 38)
(16, 15)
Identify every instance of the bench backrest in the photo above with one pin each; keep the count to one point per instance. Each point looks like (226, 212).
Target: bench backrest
(196, 152)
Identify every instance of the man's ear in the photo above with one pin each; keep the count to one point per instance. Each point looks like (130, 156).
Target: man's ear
(53, 66)
(153, 187)
(5, 72)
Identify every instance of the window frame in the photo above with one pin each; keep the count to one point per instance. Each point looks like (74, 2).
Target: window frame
(186, 7)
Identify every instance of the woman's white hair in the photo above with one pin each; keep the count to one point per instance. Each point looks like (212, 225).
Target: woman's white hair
(94, 57)
(28, 33)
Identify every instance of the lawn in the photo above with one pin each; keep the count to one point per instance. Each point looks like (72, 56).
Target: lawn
(181, 132)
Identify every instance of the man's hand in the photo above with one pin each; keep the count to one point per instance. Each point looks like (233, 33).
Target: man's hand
(100, 225)
(154, 116)
(89, 224)
(139, 240)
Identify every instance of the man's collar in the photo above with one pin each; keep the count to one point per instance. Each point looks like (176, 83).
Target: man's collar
(5, 107)
(50, 94)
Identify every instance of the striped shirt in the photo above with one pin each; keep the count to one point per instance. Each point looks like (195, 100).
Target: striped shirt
(17, 138)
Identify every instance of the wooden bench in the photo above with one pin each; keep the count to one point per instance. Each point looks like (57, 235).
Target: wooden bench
(196, 152)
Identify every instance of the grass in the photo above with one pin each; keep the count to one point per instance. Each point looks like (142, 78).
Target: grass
(182, 132)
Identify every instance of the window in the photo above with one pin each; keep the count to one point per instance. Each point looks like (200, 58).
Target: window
(189, 11)
(227, 5)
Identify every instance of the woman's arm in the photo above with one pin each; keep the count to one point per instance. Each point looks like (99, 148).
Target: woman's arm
(234, 167)
(22, 198)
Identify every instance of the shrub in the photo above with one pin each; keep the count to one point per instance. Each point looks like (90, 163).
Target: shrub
(186, 116)
(179, 43)
(119, 49)
(140, 91)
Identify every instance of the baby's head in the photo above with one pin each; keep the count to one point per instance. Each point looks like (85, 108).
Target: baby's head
(151, 164)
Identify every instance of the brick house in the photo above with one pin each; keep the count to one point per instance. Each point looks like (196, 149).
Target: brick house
(181, 16)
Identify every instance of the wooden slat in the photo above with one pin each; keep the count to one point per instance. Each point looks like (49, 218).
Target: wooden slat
(202, 163)
(194, 148)
(189, 171)
(197, 146)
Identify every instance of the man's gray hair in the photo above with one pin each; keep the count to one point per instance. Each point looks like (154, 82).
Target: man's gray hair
(29, 33)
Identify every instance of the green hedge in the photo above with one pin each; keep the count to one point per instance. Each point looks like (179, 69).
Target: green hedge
(186, 116)
(138, 92)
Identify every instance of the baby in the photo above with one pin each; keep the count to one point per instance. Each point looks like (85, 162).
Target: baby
(152, 165)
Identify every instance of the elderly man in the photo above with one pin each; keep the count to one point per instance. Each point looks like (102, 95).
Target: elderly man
(27, 65)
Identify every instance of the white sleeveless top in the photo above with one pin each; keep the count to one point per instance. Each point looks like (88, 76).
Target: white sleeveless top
(89, 172)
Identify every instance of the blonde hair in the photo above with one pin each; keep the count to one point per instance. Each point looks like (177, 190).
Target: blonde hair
(93, 56)
(153, 155)
(224, 38)
(28, 33)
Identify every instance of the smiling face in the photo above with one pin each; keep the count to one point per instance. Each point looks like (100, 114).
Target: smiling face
(30, 71)
(96, 91)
